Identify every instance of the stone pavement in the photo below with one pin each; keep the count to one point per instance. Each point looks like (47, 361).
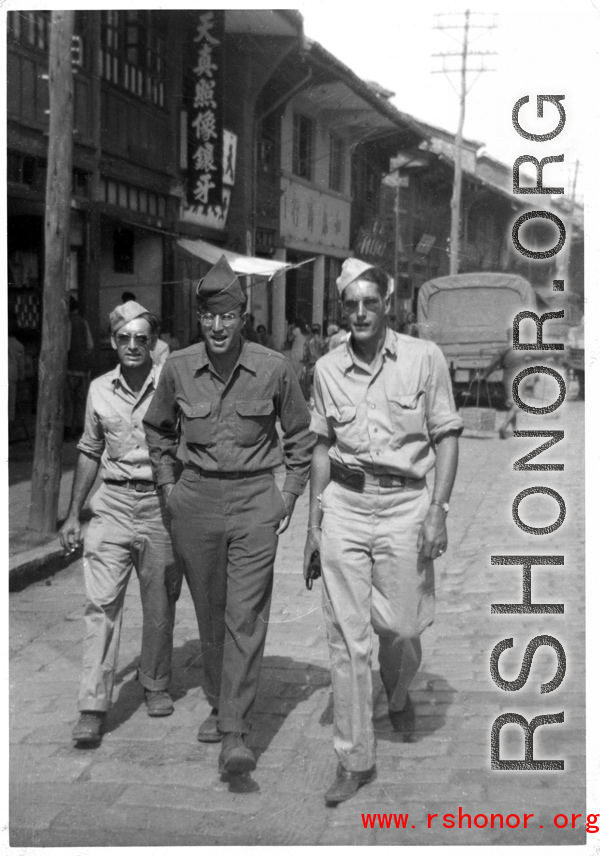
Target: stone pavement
(151, 783)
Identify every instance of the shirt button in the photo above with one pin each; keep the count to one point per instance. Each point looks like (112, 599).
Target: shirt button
(375, 430)
(372, 407)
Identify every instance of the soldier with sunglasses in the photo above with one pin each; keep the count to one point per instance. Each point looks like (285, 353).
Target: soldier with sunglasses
(215, 412)
(127, 529)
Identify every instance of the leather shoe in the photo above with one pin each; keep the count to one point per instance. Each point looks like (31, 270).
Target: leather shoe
(158, 703)
(235, 756)
(208, 731)
(347, 783)
(403, 721)
(88, 729)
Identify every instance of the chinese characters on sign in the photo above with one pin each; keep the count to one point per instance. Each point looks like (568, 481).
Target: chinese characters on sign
(205, 116)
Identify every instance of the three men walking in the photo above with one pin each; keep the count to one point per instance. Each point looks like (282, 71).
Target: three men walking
(384, 417)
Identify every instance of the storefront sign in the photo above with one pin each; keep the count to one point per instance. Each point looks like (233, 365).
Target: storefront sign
(314, 217)
(205, 116)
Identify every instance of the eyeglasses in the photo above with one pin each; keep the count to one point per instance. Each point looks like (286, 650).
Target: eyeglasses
(370, 304)
(123, 340)
(228, 319)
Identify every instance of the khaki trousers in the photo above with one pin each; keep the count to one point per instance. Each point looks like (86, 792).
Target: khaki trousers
(127, 531)
(373, 576)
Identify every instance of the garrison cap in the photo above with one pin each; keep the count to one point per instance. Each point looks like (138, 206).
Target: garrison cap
(220, 290)
(124, 313)
(352, 269)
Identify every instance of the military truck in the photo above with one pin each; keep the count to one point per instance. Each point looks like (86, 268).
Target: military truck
(468, 315)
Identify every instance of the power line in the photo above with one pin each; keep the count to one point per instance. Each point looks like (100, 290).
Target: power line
(467, 26)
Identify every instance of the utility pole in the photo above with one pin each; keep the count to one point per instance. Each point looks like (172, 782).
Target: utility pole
(45, 482)
(464, 54)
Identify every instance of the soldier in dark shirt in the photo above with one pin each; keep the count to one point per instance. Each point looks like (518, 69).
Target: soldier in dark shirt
(215, 411)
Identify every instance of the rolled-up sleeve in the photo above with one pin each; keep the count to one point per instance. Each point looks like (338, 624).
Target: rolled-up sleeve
(161, 427)
(298, 441)
(319, 423)
(440, 409)
(92, 440)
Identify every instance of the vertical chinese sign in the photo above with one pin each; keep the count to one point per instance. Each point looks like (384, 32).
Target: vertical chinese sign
(205, 118)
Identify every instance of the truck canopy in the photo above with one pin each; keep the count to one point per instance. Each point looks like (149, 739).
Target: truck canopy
(468, 314)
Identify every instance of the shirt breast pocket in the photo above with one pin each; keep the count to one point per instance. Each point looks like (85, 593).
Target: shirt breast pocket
(408, 417)
(344, 423)
(196, 422)
(114, 436)
(253, 420)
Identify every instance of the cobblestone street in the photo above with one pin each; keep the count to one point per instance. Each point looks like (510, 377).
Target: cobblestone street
(151, 783)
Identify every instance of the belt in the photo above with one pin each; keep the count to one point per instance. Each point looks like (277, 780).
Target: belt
(234, 474)
(355, 479)
(139, 485)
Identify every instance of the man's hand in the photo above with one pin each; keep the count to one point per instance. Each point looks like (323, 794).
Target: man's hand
(433, 540)
(313, 542)
(70, 534)
(290, 502)
(164, 492)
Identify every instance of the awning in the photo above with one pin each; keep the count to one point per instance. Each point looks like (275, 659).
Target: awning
(242, 265)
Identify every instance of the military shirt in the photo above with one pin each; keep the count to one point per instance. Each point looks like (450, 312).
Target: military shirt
(113, 428)
(385, 418)
(199, 419)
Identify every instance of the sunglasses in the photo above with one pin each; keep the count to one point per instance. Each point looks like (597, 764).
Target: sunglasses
(123, 340)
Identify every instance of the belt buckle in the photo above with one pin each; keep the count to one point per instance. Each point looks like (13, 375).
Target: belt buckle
(388, 480)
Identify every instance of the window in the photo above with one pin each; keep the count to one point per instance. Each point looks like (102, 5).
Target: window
(133, 53)
(123, 243)
(337, 151)
(303, 147)
(30, 28)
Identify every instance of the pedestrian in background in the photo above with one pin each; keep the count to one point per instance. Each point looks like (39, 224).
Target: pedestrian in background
(297, 340)
(314, 348)
(384, 416)
(265, 339)
(341, 336)
(127, 529)
(16, 366)
(80, 349)
(511, 362)
(248, 331)
(215, 411)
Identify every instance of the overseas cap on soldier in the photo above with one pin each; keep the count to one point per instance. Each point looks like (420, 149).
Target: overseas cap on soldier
(125, 313)
(220, 290)
(352, 269)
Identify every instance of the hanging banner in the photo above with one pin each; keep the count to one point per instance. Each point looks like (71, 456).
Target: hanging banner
(205, 114)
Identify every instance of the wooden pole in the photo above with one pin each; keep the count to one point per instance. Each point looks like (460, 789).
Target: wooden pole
(457, 187)
(45, 483)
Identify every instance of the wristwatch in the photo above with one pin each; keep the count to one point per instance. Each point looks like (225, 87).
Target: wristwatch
(445, 506)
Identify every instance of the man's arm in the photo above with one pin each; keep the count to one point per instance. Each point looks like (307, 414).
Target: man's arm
(297, 440)
(495, 363)
(85, 476)
(162, 432)
(319, 479)
(433, 539)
